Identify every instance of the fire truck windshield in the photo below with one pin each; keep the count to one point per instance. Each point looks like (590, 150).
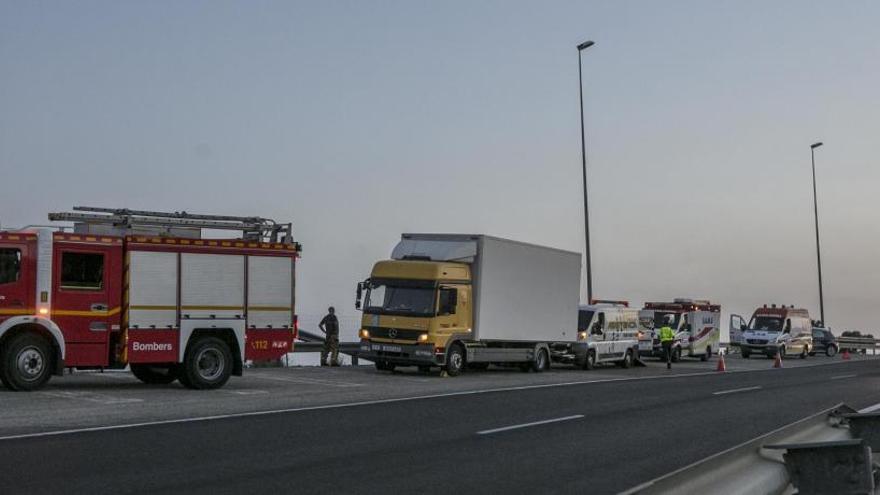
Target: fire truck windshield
(766, 323)
(389, 299)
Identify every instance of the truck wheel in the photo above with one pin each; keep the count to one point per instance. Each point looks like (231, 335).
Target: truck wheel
(207, 364)
(154, 375)
(26, 362)
(831, 351)
(541, 362)
(590, 361)
(676, 355)
(627, 360)
(455, 361)
(745, 353)
(705, 357)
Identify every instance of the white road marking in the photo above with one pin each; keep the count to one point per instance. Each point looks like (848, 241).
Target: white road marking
(247, 392)
(736, 390)
(372, 402)
(841, 377)
(526, 425)
(875, 407)
(309, 381)
(91, 397)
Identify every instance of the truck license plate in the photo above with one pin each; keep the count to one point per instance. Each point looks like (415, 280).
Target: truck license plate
(386, 348)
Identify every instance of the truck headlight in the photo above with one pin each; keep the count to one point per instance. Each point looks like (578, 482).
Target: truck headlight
(364, 333)
(582, 335)
(423, 337)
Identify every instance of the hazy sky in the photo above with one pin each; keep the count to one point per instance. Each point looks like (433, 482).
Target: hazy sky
(360, 120)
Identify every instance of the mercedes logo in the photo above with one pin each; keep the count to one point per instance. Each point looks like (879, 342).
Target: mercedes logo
(392, 333)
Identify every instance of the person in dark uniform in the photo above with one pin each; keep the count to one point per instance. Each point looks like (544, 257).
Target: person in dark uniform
(330, 326)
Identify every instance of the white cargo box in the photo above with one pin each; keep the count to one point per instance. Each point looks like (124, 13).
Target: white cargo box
(523, 292)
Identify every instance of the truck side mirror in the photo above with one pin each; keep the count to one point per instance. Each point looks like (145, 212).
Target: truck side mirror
(357, 300)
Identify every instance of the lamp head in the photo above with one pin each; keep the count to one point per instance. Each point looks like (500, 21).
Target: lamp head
(815, 145)
(585, 45)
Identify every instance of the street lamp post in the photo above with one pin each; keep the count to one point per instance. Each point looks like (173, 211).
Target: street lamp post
(816, 217)
(583, 46)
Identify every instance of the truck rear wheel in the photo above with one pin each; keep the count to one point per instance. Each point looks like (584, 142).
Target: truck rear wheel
(455, 361)
(541, 362)
(154, 375)
(831, 350)
(207, 364)
(705, 357)
(26, 362)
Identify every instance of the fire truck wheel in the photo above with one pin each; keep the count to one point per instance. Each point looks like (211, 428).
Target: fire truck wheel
(26, 362)
(830, 351)
(590, 361)
(154, 375)
(627, 360)
(455, 361)
(207, 364)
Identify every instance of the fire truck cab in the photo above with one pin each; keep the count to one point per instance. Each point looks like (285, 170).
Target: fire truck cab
(145, 290)
(696, 323)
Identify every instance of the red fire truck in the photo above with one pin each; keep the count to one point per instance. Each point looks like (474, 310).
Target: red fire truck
(148, 290)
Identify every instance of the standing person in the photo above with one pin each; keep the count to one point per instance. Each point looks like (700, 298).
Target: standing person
(330, 326)
(667, 337)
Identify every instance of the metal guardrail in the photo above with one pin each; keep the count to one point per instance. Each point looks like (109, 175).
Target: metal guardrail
(312, 342)
(829, 452)
(858, 343)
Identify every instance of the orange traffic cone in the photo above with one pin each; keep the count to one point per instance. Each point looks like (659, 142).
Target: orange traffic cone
(721, 366)
(778, 362)
(845, 355)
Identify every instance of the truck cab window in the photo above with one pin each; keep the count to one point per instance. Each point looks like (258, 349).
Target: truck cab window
(82, 270)
(10, 265)
(448, 301)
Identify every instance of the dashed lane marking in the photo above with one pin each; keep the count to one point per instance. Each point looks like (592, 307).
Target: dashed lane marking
(527, 425)
(736, 390)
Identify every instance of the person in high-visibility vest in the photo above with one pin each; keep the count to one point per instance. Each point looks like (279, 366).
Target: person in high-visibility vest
(667, 337)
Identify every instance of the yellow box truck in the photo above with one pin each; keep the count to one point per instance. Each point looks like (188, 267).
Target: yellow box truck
(461, 300)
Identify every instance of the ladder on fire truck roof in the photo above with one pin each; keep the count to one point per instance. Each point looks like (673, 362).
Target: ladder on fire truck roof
(252, 228)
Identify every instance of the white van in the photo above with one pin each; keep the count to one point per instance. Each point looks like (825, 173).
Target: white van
(783, 330)
(607, 333)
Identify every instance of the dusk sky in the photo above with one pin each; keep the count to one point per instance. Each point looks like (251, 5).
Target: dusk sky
(361, 120)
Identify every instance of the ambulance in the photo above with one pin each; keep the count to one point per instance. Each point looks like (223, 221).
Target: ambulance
(772, 331)
(696, 323)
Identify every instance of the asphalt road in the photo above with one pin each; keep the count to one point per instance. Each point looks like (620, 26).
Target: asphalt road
(568, 437)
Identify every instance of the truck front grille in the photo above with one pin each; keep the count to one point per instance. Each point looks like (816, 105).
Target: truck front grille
(394, 333)
(756, 341)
